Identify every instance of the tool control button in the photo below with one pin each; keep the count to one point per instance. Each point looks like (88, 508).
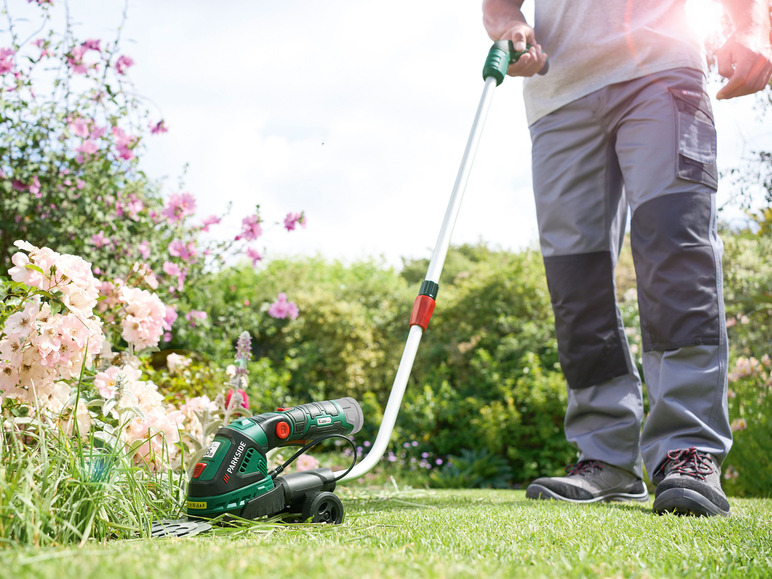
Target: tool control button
(282, 430)
(198, 469)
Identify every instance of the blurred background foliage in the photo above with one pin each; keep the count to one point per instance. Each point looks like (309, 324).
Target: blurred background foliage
(486, 397)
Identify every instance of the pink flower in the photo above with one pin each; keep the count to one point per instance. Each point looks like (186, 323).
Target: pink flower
(185, 251)
(306, 462)
(11, 350)
(144, 249)
(194, 315)
(34, 187)
(171, 268)
(75, 59)
(99, 240)
(144, 321)
(180, 206)
(198, 404)
(124, 143)
(69, 273)
(104, 382)
(80, 127)
(281, 308)
(21, 324)
(6, 60)
(250, 228)
(209, 221)
(159, 127)
(176, 363)
(241, 398)
(91, 44)
(123, 63)
(170, 316)
(292, 219)
(134, 206)
(86, 148)
(254, 255)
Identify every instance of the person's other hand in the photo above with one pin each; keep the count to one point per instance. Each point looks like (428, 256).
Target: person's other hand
(747, 66)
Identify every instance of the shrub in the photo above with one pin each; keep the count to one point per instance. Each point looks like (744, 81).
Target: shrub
(473, 469)
(748, 468)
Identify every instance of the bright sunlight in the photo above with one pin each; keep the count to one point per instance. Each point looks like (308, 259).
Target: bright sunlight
(704, 17)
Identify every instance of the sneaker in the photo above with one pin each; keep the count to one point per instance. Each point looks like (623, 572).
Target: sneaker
(590, 481)
(690, 485)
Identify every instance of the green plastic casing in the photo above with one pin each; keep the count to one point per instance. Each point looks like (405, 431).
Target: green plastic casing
(234, 470)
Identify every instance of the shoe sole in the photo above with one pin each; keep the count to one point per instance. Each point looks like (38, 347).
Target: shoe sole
(541, 492)
(686, 502)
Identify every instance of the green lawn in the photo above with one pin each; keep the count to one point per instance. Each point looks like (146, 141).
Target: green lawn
(464, 533)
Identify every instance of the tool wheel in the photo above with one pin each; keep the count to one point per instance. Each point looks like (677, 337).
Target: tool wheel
(324, 507)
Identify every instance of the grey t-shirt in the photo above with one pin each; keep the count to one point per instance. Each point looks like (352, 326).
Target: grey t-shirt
(595, 43)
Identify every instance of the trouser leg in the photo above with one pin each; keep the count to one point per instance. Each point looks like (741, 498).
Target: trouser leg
(654, 134)
(667, 120)
(581, 211)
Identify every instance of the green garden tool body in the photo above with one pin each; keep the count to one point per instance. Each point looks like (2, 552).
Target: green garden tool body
(232, 476)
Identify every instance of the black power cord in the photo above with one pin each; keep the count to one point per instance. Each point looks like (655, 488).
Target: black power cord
(277, 471)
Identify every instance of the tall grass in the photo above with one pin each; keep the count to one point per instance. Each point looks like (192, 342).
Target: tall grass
(56, 489)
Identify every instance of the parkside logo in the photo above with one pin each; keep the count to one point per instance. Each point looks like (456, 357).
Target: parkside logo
(236, 457)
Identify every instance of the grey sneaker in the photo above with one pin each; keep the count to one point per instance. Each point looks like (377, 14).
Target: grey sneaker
(690, 485)
(590, 481)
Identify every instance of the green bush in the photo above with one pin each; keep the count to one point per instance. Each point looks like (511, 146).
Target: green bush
(748, 468)
(473, 469)
(487, 374)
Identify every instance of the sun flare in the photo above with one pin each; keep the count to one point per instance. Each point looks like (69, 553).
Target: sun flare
(704, 17)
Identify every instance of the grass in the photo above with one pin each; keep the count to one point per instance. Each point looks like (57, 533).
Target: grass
(462, 533)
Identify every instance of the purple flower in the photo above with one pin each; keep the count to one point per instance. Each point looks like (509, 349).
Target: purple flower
(243, 352)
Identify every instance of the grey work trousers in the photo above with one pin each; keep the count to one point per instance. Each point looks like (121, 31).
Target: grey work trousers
(644, 148)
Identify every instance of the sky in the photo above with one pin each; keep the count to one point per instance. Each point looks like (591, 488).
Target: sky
(355, 112)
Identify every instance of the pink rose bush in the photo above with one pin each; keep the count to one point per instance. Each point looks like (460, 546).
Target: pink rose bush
(52, 333)
(44, 344)
(60, 325)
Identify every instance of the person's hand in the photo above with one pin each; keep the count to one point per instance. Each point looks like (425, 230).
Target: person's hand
(747, 66)
(533, 60)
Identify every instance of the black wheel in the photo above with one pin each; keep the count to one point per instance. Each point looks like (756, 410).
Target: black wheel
(324, 507)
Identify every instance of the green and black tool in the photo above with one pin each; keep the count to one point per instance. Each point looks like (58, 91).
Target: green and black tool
(232, 477)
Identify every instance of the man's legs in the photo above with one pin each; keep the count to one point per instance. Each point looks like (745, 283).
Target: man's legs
(658, 133)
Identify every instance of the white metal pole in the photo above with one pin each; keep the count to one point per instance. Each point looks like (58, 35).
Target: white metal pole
(432, 274)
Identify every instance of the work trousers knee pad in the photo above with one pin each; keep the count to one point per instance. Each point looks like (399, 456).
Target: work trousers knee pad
(677, 259)
(590, 333)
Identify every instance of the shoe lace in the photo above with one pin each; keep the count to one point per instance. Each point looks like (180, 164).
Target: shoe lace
(583, 466)
(690, 462)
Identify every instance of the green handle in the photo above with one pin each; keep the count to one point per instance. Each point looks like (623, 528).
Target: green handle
(500, 56)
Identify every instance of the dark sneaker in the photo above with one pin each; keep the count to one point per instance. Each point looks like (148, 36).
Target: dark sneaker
(691, 485)
(590, 481)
